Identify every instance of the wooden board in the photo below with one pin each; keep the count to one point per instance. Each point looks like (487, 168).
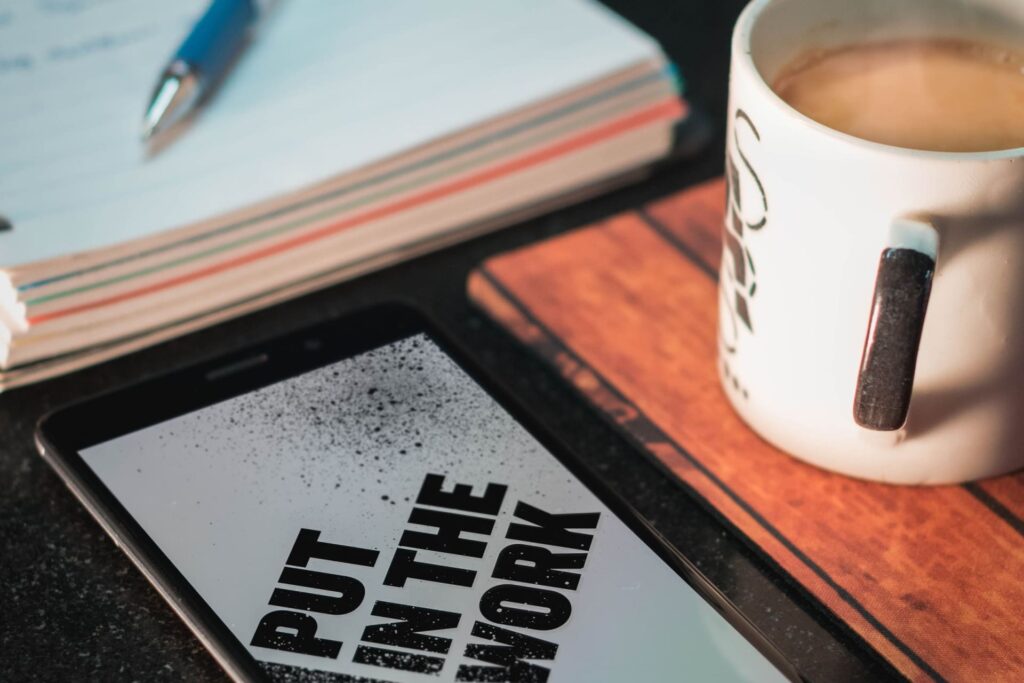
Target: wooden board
(932, 578)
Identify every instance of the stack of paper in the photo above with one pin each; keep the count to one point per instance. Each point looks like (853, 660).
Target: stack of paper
(350, 135)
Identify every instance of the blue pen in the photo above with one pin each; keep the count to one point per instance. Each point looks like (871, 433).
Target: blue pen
(200, 63)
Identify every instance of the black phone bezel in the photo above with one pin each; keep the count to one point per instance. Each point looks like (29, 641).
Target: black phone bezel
(61, 434)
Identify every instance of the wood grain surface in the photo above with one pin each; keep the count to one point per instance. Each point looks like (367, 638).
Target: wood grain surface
(932, 578)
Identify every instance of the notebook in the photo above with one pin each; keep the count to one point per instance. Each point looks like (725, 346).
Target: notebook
(349, 136)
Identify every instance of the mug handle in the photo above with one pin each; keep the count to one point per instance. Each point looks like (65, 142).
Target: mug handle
(902, 287)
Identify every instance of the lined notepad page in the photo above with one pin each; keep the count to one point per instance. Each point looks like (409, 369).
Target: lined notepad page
(325, 88)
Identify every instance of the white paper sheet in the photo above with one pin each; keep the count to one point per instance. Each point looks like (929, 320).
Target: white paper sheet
(326, 87)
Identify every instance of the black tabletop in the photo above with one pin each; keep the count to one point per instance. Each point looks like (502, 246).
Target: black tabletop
(74, 608)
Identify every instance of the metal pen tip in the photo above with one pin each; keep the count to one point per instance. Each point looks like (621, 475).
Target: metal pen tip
(172, 99)
(148, 128)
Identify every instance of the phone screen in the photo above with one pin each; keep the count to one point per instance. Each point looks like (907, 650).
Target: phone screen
(386, 519)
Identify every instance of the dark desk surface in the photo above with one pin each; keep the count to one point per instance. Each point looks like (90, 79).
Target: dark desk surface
(74, 608)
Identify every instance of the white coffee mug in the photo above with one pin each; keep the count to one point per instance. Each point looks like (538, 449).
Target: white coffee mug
(830, 345)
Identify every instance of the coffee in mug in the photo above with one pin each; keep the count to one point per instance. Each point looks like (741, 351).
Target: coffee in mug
(940, 94)
(871, 294)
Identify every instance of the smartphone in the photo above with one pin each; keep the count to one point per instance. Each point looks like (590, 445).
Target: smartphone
(358, 502)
